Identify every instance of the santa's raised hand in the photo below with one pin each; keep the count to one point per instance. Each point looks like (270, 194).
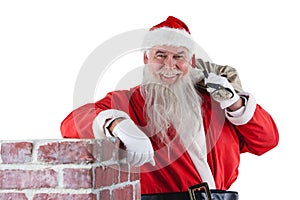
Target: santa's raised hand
(221, 90)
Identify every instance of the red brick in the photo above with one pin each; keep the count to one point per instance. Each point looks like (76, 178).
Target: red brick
(124, 193)
(66, 152)
(44, 196)
(124, 173)
(27, 179)
(106, 150)
(134, 174)
(13, 196)
(106, 176)
(14, 153)
(77, 178)
(105, 194)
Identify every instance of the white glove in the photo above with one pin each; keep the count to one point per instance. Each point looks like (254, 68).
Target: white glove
(138, 145)
(223, 96)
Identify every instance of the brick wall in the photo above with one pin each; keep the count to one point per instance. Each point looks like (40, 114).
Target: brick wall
(66, 170)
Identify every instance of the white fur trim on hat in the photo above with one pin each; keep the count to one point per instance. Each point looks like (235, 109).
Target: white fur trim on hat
(168, 36)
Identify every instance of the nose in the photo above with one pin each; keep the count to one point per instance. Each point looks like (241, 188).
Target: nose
(169, 62)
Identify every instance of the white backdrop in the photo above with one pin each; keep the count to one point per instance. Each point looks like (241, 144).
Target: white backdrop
(43, 45)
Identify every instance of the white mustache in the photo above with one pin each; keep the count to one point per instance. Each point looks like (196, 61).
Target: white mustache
(169, 72)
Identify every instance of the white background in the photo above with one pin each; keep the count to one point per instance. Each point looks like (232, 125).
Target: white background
(43, 45)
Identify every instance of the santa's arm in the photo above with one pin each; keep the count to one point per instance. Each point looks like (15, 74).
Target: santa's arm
(79, 123)
(257, 130)
(95, 120)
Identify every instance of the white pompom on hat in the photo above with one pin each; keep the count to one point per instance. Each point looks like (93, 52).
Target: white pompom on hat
(171, 32)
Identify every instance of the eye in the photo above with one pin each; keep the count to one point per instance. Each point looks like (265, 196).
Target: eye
(178, 57)
(161, 56)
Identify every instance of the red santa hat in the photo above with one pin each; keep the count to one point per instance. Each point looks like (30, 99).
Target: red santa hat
(171, 32)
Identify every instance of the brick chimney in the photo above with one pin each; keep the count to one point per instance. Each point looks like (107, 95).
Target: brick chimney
(67, 169)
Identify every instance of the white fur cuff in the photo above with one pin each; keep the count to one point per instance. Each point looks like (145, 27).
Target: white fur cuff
(248, 112)
(101, 119)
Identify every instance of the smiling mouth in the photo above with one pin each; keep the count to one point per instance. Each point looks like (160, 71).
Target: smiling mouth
(169, 75)
(169, 78)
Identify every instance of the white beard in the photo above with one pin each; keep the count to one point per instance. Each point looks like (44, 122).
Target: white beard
(177, 105)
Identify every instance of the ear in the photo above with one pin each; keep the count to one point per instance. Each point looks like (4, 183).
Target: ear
(194, 61)
(145, 58)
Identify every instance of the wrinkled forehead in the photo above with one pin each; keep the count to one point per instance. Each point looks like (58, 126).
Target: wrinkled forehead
(169, 50)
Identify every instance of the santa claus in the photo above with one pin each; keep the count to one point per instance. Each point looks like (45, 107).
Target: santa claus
(179, 125)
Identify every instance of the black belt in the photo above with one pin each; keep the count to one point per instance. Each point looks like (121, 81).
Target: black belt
(194, 193)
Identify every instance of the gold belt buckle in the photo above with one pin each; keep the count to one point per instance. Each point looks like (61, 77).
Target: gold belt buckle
(197, 187)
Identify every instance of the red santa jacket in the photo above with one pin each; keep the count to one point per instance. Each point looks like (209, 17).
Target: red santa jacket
(225, 141)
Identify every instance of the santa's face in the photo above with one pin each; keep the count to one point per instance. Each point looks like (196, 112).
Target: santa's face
(168, 63)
